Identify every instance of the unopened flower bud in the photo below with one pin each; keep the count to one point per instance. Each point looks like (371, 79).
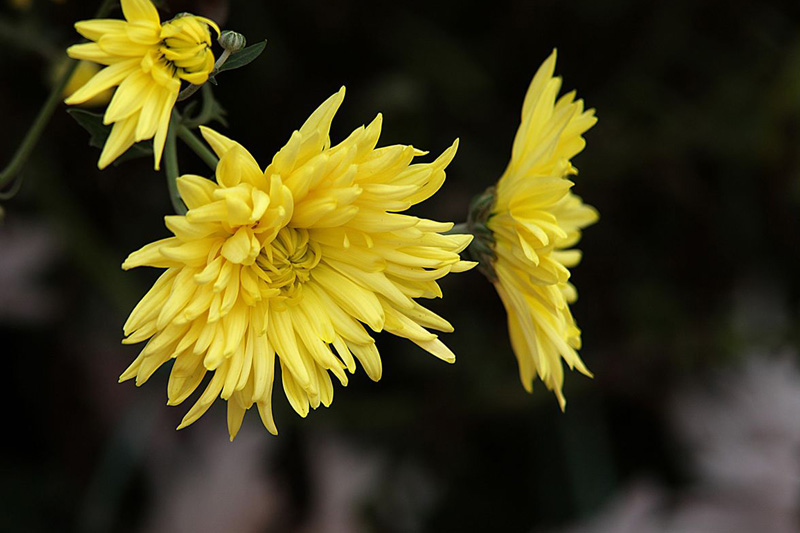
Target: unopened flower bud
(232, 41)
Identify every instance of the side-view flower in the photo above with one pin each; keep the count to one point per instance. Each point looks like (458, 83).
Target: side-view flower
(534, 222)
(292, 262)
(146, 61)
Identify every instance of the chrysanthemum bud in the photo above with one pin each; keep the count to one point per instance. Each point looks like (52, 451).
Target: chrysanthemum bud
(232, 41)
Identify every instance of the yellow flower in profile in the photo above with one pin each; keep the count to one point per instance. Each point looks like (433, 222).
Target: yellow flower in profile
(147, 62)
(292, 262)
(535, 221)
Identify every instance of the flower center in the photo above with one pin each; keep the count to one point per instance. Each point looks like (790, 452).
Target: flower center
(288, 261)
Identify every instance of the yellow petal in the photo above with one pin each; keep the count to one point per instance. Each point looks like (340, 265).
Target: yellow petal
(91, 52)
(122, 137)
(237, 165)
(140, 11)
(218, 142)
(103, 80)
(129, 97)
(320, 120)
(196, 190)
(237, 248)
(168, 99)
(94, 29)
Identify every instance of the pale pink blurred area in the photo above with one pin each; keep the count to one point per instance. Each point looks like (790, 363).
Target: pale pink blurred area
(637, 509)
(28, 250)
(743, 430)
(741, 436)
(344, 476)
(202, 482)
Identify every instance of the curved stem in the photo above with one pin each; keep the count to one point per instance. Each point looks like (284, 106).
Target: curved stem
(13, 189)
(171, 166)
(206, 111)
(193, 142)
(31, 138)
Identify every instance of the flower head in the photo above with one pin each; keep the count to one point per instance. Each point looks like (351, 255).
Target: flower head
(292, 262)
(146, 61)
(535, 221)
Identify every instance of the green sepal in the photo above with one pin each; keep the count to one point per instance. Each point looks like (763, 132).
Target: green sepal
(482, 247)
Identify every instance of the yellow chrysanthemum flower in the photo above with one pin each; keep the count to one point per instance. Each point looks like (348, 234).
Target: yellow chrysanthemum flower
(147, 62)
(291, 262)
(534, 222)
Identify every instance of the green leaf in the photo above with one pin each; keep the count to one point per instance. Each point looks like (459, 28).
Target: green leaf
(99, 132)
(93, 123)
(245, 57)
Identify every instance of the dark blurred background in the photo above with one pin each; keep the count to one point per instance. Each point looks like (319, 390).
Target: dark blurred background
(688, 289)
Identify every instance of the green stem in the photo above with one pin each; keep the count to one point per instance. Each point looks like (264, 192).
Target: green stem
(171, 166)
(206, 111)
(32, 137)
(193, 142)
(12, 191)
